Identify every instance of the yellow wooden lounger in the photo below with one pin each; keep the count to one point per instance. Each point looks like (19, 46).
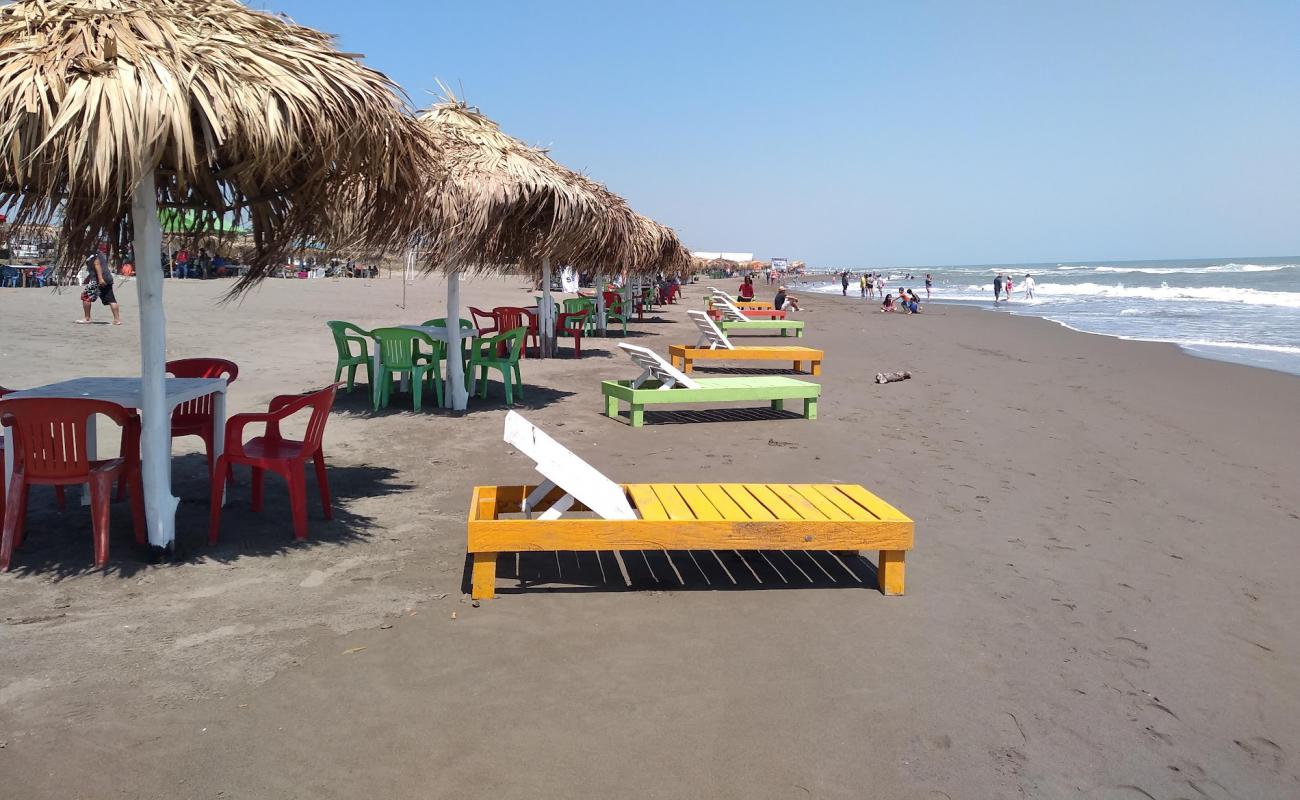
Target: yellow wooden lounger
(715, 346)
(713, 516)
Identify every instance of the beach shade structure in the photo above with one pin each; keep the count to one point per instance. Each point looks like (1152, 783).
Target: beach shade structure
(110, 109)
(506, 206)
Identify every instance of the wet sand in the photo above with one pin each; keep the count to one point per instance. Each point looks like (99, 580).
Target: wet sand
(1101, 602)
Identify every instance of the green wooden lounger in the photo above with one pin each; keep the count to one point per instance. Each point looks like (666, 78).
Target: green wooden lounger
(662, 383)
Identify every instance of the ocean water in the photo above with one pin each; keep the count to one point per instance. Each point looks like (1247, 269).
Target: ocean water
(1245, 310)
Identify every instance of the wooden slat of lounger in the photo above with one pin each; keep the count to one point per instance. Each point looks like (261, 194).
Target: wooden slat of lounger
(643, 497)
(825, 506)
(775, 504)
(672, 501)
(747, 501)
(699, 504)
(842, 501)
(722, 501)
(797, 502)
(874, 504)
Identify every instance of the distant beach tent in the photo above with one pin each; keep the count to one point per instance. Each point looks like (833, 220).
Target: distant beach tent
(709, 255)
(111, 108)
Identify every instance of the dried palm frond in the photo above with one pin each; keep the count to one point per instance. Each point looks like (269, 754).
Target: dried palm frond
(506, 206)
(242, 116)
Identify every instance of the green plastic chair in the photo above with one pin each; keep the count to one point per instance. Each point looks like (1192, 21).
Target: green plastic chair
(345, 335)
(614, 310)
(576, 305)
(465, 324)
(485, 357)
(399, 351)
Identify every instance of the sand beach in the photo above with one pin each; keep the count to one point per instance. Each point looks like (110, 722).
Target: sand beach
(1100, 604)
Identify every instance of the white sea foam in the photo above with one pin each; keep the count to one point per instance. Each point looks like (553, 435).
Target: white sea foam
(1215, 270)
(1165, 292)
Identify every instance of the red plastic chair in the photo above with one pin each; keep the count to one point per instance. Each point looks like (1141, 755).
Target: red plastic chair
(285, 457)
(485, 321)
(194, 417)
(50, 450)
(3, 392)
(507, 318)
(533, 331)
(572, 323)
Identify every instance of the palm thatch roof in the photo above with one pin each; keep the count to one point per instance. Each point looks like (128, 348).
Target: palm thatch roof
(507, 205)
(241, 114)
(657, 249)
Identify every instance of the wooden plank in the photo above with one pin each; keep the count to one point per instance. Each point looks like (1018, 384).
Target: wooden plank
(874, 504)
(700, 505)
(797, 502)
(772, 503)
(598, 534)
(747, 501)
(842, 501)
(646, 502)
(826, 507)
(722, 501)
(672, 501)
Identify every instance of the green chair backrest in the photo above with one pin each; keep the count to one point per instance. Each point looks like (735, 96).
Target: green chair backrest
(399, 346)
(513, 339)
(345, 333)
(441, 322)
(573, 305)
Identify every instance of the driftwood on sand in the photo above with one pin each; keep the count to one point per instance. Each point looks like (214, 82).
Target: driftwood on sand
(892, 377)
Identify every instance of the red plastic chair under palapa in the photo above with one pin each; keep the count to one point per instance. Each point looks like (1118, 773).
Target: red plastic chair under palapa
(3, 392)
(49, 442)
(507, 319)
(194, 417)
(572, 323)
(285, 457)
(485, 321)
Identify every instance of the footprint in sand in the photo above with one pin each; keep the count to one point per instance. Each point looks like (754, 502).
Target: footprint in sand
(1263, 751)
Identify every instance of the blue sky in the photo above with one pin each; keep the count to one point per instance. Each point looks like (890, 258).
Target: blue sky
(902, 133)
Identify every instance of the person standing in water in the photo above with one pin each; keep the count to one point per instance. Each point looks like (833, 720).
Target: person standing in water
(1029, 286)
(862, 285)
(929, 284)
(844, 283)
(1006, 289)
(997, 288)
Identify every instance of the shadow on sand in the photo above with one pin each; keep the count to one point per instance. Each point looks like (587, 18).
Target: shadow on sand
(357, 403)
(687, 416)
(58, 543)
(678, 571)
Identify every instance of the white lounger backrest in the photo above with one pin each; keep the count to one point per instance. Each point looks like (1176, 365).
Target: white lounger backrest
(729, 309)
(560, 467)
(653, 366)
(710, 333)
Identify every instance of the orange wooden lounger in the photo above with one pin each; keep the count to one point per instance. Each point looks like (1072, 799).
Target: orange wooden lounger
(672, 516)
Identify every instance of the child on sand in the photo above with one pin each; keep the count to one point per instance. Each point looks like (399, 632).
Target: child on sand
(888, 305)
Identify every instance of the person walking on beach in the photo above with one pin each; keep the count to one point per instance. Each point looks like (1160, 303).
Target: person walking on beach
(997, 288)
(862, 285)
(929, 283)
(1029, 286)
(844, 283)
(99, 286)
(880, 284)
(1006, 288)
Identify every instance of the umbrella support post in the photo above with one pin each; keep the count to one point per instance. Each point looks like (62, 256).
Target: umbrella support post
(546, 315)
(457, 398)
(601, 322)
(156, 435)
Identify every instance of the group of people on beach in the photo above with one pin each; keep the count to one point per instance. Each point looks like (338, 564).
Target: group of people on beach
(1003, 285)
(906, 303)
(782, 302)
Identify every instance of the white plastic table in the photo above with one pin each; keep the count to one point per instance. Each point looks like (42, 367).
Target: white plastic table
(438, 333)
(126, 393)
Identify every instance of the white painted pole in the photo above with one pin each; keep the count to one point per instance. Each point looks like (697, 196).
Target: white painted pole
(599, 283)
(457, 398)
(156, 437)
(546, 314)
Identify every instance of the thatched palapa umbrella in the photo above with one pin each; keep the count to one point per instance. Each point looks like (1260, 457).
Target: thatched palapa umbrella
(507, 206)
(110, 108)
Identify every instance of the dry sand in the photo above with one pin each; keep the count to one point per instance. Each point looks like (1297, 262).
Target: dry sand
(1102, 600)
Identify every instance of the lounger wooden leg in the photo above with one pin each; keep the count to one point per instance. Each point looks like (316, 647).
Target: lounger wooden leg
(611, 406)
(637, 415)
(778, 405)
(687, 365)
(798, 366)
(483, 578)
(810, 408)
(816, 367)
(889, 572)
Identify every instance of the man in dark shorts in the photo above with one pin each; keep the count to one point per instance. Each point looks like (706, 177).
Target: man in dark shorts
(997, 288)
(99, 284)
